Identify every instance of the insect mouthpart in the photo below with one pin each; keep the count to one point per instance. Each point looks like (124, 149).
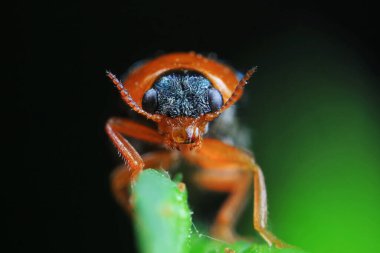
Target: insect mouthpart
(186, 135)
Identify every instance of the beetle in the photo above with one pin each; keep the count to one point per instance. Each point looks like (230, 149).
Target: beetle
(182, 93)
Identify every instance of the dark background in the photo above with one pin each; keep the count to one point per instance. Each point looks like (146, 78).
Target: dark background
(56, 190)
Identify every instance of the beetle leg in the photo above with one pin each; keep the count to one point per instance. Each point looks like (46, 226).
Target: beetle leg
(120, 181)
(163, 159)
(132, 129)
(120, 178)
(117, 127)
(235, 167)
(237, 184)
(123, 176)
(260, 212)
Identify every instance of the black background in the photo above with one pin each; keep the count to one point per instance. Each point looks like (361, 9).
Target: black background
(56, 190)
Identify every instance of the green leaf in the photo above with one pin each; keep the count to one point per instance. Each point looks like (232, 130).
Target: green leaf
(163, 221)
(162, 216)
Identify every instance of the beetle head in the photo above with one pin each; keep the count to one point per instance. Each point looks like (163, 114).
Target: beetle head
(183, 130)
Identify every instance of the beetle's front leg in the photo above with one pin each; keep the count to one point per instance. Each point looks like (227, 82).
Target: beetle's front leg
(123, 175)
(126, 174)
(114, 128)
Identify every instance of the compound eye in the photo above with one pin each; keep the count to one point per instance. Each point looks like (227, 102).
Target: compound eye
(149, 101)
(215, 99)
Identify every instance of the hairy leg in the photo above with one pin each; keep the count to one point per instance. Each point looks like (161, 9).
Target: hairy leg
(126, 174)
(260, 212)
